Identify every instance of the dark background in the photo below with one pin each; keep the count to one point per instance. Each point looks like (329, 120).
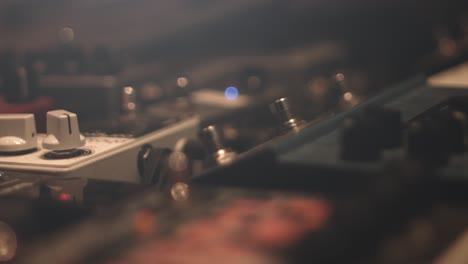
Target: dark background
(387, 41)
(381, 31)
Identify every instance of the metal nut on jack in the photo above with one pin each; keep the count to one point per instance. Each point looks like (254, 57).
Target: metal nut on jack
(287, 122)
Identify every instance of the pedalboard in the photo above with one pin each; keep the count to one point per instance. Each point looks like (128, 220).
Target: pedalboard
(421, 122)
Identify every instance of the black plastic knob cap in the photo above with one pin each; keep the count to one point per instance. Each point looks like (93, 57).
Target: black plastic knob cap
(428, 141)
(358, 141)
(386, 124)
(365, 135)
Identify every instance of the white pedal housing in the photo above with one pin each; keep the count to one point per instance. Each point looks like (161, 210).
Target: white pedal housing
(107, 157)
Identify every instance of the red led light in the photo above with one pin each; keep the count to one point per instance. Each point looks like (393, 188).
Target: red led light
(65, 197)
(145, 222)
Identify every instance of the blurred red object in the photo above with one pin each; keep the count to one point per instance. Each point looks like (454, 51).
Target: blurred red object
(38, 107)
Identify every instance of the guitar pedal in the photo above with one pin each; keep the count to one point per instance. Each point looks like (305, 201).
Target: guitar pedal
(64, 152)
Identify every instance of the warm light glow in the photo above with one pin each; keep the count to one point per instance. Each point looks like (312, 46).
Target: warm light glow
(128, 90)
(66, 34)
(348, 96)
(317, 87)
(460, 116)
(131, 106)
(231, 93)
(145, 222)
(180, 191)
(230, 132)
(8, 242)
(339, 77)
(182, 82)
(447, 47)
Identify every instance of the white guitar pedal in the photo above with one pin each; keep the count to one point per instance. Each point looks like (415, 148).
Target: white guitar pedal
(64, 152)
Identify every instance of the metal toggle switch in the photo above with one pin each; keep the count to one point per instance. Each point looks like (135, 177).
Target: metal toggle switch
(211, 137)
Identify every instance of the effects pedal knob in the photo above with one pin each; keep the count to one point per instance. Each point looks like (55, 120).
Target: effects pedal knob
(286, 120)
(212, 139)
(456, 124)
(358, 141)
(63, 132)
(17, 133)
(428, 141)
(367, 134)
(387, 125)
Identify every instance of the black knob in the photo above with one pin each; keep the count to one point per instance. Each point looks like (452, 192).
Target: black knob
(457, 130)
(456, 116)
(358, 141)
(428, 141)
(152, 163)
(453, 122)
(386, 125)
(374, 129)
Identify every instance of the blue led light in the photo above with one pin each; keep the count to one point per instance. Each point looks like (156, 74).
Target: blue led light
(231, 93)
